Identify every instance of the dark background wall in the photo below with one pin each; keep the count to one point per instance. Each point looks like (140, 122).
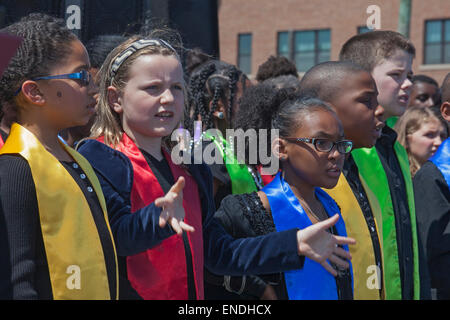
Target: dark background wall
(196, 20)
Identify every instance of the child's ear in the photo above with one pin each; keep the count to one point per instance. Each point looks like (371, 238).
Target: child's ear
(445, 110)
(220, 110)
(31, 93)
(114, 100)
(279, 149)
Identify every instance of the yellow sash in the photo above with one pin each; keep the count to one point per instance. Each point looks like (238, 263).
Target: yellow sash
(363, 257)
(72, 245)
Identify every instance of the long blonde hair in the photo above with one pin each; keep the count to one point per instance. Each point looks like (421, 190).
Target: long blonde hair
(411, 121)
(107, 122)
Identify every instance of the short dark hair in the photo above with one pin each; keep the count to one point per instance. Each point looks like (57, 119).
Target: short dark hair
(368, 49)
(324, 79)
(274, 67)
(425, 79)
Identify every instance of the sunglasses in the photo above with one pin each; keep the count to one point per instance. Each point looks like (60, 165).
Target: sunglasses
(84, 76)
(325, 145)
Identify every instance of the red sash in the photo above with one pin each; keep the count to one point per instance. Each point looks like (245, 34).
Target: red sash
(160, 273)
(1, 142)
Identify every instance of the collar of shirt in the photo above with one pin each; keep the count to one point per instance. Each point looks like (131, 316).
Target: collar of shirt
(388, 137)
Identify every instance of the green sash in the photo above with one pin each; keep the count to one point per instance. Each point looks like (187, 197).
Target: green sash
(391, 122)
(241, 179)
(371, 169)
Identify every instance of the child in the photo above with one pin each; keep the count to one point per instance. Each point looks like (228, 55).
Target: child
(388, 56)
(352, 92)
(215, 89)
(294, 196)
(432, 196)
(141, 102)
(425, 92)
(420, 132)
(97, 48)
(58, 243)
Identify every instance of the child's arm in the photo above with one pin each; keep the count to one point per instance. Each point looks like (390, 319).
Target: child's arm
(20, 239)
(133, 232)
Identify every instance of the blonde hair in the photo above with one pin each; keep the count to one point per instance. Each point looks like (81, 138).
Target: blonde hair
(107, 122)
(411, 121)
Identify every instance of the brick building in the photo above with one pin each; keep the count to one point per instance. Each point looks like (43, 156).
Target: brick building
(312, 31)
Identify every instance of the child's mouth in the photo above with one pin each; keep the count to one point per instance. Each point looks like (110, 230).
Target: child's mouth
(164, 114)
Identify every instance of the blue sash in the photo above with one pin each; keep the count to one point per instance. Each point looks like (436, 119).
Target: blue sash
(441, 160)
(312, 282)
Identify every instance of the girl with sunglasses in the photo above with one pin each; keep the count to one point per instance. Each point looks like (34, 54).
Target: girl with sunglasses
(57, 243)
(311, 148)
(142, 98)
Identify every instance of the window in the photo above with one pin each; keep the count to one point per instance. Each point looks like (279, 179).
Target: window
(283, 45)
(437, 42)
(305, 48)
(245, 53)
(311, 48)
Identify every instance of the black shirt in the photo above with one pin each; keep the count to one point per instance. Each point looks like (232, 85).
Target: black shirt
(351, 173)
(163, 174)
(4, 135)
(397, 187)
(432, 197)
(24, 273)
(244, 215)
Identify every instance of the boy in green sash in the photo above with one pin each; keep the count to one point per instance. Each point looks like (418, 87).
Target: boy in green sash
(352, 92)
(388, 56)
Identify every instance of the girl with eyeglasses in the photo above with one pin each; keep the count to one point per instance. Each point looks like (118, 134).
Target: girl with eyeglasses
(311, 148)
(57, 242)
(142, 99)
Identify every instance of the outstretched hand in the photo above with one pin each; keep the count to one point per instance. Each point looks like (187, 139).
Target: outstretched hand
(316, 243)
(172, 208)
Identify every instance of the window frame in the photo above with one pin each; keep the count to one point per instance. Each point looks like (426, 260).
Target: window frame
(442, 41)
(239, 55)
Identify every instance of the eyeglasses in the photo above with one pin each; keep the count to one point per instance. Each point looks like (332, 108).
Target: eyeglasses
(325, 145)
(84, 76)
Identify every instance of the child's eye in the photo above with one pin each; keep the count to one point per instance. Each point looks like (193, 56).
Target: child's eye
(178, 87)
(430, 135)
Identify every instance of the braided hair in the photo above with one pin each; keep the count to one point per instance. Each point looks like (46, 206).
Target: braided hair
(46, 42)
(212, 82)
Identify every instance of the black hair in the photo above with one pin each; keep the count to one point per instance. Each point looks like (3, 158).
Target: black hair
(323, 80)
(265, 107)
(194, 58)
(287, 118)
(274, 67)
(284, 81)
(99, 47)
(46, 42)
(212, 81)
(425, 79)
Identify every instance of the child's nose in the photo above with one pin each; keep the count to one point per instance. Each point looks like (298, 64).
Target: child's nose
(167, 96)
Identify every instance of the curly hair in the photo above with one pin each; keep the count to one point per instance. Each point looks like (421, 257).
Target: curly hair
(211, 82)
(46, 42)
(274, 67)
(257, 108)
